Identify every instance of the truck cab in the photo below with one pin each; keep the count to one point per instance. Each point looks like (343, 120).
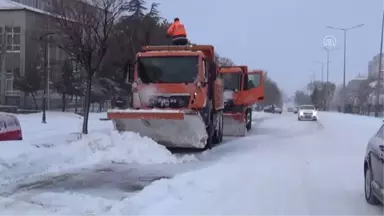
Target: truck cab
(242, 89)
(179, 82)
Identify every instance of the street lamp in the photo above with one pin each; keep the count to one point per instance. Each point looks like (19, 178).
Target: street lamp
(46, 80)
(345, 55)
(378, 84)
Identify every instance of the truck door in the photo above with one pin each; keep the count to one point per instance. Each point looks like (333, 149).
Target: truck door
(253, 90)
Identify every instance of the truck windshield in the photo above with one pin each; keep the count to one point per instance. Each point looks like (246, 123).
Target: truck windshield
(232, 81)
(168, 69)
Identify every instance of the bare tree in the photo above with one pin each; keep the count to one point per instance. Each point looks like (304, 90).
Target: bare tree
(223, 61)
(31, 81)
(302, 98)
(85, 28)
(67, 82)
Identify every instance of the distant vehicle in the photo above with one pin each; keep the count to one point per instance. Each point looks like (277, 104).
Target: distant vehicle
(278, 110)
(10, 128)
(290, 109)
(295, 110)
(273, 109)
(268, 109)
(307, 112)
(374, 169)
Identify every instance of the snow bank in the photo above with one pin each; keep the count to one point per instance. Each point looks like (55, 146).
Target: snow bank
(50, 203)
(92, 149)
(115, 147)
(58, 146)
(220, 189)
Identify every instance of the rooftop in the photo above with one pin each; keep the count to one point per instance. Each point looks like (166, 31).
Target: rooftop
(11, 5)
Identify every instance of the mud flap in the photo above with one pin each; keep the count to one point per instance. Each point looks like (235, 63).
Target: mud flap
(234, 125)
(167, 127)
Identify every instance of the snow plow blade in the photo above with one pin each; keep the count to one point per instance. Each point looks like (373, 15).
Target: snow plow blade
(234, 125)
(175, 129)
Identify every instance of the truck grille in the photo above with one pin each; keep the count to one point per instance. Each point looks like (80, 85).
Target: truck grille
(174, 101)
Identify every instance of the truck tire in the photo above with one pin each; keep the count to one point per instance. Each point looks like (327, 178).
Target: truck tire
(210, 128)
(218, 136)
(211, 134)
(249, 119)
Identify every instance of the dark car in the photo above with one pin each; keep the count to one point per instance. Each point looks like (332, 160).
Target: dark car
(269, 109)
(295, 110)
(374, 169)
(278, 110)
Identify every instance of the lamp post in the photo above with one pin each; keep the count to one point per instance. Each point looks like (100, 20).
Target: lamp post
(345, 55)
(378, 84)
(326, 102)
(46, 80)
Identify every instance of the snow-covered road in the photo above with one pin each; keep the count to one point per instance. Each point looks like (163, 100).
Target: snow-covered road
(283, 166)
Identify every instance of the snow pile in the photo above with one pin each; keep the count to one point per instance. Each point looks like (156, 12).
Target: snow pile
(115, 147)
(58, 146)
(59, 126)
(92, 149)
(51, 203)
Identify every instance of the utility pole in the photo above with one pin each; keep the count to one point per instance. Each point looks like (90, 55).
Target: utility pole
(378, 84)
(326, 102)
(45, 68)
(46, 80)
(345, 57)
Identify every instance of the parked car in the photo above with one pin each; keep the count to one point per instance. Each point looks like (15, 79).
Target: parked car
(374, 169)
(307, 112)
(290, 109)
(269, 109)
(278, 110)
(10, 128)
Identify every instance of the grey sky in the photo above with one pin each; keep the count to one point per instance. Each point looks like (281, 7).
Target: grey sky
(284, 37)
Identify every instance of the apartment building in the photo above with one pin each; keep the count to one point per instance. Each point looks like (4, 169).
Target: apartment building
(21, 23)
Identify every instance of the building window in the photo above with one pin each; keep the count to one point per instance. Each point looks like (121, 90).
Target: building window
(9, 79)
(13, 38)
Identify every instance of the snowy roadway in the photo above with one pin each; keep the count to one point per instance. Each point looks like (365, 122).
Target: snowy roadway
(283, 166)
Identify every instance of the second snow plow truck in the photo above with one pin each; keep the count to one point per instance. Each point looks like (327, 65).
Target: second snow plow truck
(241, 90)
(178, 97)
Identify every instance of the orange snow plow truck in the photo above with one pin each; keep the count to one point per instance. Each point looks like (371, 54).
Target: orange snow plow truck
(242, 89)
(178, 97)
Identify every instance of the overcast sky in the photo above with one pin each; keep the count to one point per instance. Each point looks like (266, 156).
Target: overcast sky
(284, 37)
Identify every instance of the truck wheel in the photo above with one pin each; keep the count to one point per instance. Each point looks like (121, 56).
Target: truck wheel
(221, 133)
(210, 131)
(249, 119)
(218, 138)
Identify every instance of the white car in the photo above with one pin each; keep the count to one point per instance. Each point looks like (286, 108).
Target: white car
(307, 112)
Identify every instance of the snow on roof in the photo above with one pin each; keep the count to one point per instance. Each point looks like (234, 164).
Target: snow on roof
(11, 5)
